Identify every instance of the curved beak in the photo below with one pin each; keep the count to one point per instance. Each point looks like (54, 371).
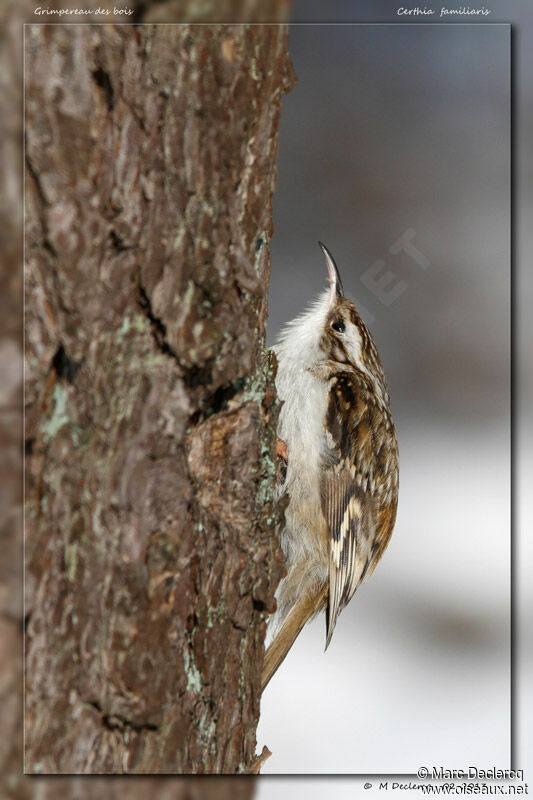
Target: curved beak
(333, 276)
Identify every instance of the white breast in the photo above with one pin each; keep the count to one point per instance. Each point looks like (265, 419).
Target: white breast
(301, 423)
(301, 426)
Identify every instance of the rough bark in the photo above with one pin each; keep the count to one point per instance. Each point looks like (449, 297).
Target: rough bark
(151, 559)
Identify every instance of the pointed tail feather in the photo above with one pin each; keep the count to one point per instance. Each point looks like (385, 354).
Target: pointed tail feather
(304, 608)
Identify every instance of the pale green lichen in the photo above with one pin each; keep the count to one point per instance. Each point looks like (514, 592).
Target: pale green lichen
(59, 414)
(124, 328)
(71, 560)
(198, 329)
(263, 236)
(75, 434)
(207, 729)
(253, 71)
(254, 390)
(188, 297)
(194, 680)
(97, 526)
(141, 323)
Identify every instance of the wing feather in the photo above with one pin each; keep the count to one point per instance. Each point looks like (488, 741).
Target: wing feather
(346, 500)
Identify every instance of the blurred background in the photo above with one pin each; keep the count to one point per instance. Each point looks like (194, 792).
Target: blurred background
(398, 136)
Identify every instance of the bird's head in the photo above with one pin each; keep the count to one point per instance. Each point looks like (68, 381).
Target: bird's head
(330, 334)
(345, 338)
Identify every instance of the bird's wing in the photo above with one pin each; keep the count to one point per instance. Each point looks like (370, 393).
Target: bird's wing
(347, 501)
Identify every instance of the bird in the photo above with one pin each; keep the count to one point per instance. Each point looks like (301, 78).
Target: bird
(337, 455)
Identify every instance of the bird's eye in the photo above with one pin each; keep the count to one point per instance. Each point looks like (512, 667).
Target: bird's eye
(338, 326)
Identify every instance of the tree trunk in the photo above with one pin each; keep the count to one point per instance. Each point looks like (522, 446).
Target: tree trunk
(150, 433)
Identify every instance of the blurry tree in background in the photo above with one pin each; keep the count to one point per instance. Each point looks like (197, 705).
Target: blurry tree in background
(150, 166)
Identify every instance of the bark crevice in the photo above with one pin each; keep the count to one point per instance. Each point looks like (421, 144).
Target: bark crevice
(103, 80)
(115, 722)
(157, 326)
(65, 367)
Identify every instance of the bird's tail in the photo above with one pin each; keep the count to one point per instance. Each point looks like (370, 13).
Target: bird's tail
(304, 608)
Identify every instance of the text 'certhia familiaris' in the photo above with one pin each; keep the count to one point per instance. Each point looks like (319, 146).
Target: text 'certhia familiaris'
(339, 463)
